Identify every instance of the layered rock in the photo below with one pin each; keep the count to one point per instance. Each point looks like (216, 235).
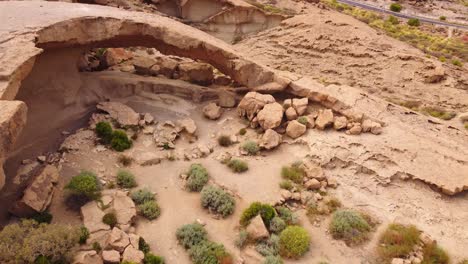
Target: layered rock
(122, 114)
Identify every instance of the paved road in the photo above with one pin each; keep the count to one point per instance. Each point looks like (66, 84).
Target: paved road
(422, 19)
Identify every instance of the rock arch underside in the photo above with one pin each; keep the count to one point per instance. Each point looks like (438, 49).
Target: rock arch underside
(37, 39)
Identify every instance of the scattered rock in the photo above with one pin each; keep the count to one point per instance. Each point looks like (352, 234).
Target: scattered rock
(222, 80)
(132, 254)
(196, 72)
(226, 99)
(114, 56)
(148, 118)
(312, 184)
(332, 182)
(87, 257)
(118, 240)
(188, 125)
(92, 217)
(371, 126)
(121, 113)
(340, 122)
(256, 230)
(324, 119)
(165, 135)
(295, 129)
(291, 114)
(300, 105)
(313, 171)
(270, 116)
(111, 256)
(143, 65)
(212, 111)
(355, 130)
(252, 103)
(270, 139)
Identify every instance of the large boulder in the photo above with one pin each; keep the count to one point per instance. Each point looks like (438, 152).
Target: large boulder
(133, 255)
(226, 99)
(88, 257)
(295, 129)
(300, 105)
(212, 111)
(38, 194)
(121, 113)
(340, 122)
(256, 230)
(270, 139)
(143, 65)
(252, 103)
(270, 116)
(165, 66)
(196, 72)
(324, 119)
(165, 135)
(124, 208)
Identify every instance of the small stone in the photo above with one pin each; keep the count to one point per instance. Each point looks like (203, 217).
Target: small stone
(295, 129)
(41, 159)
(212, 111)
(340, 122)
(355, 130)
(148, 118)
(324, 119)
(291, 114)
(312, 184)
(270, 139)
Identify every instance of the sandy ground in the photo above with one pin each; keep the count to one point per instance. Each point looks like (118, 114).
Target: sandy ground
(408, 202)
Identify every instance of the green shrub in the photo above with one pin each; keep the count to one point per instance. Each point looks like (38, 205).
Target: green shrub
(434, 254)
(349, 226)
(395, 7)
(208, 252)
(42, 217)
(251, 147)
(266, 211)
(153, 259)
(443, 18)
(96, 246)
(439, 113)
(294, 242)
(397, 241)
(270, 247)
(141, 196)
(84, 235)
(191, 234)
(224, 141)
(393, 20)
(237, 165)
(273, 260)
(126, 179)
(286, 184)
(197, 178)
(26, 241)
(293, 173)
(242, 131)
(242, 239)
(104, 132)
(277, 225)
(149, 209)
(287, 215)
(303, 120)
(120, 141)
(125, 160)
(143, 246)
(414, 22)
(85, 184)
(110, 219)
(457, 63)
(217, 200)
(42, 260)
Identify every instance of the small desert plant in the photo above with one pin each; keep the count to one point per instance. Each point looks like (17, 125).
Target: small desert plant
(143, 245)
(333, 204)
(84, 235)
(224, 141)
(269, 247)
(197, 178)
(277, 225)
(395, 7)
(251, 147)
(153, 259)
(286, 184)
(393, 20)
(142, 195)
(104, 132)
(149, 209)
(125, 160)
(209, 252)
(217, 200)
(349, 226)
(120, 141)
(242, 239)
(96, 246)
(42, 217)
(439, 113)
(397, 241)
(443, 18)
(242, 131)
(433, 254)
(85, 184)
(457, 63)
(237, 165)
(191, 234)
(293, 173)
(294, 242)
(273, 260)
(287, 215)
(414, 22)
(126, 179)
(266, 211)
(303, 120)
(110, 219)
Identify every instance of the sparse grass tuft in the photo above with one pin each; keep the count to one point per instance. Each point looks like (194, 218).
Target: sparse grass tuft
(293, 173)
(457, 63)
(433, 254)
(349, 226)
(438, 113)
(224, 141)
(242, 131)
(397, 241)
(125, 160)
(286, 184)
(303, 120)
(237, 165)
(126, 179)
(442, 18)
(413, 22)
(251, 147)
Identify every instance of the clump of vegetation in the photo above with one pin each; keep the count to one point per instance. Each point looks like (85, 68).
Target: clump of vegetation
(293, 173)
(457, 63)
(110, 219)
(350, 226)
(397, 241)
(393, 20)
(251, 147)
(143, 245)
(153, 259)
(96, 247)
(414, 22)
(439, 113)
(277, 225)
(242, 131)
(85, 184)
(269, 247)
(303, 120)
(273, 260)
(191, 234)
(84, 235)
(217, 200)
(120, 141)
(237, 165)
(225, 141)
(42, 217)
(434, 254)
(149, 209)
(266, 211)
(126, 179)
(294, 242)
(395, 7)
(104, 132)
(125, 160)
(29, 241)
(286, 184)
(197, 178)
(442, 18)
(287, 215)
(142, 195)
(242, 239)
